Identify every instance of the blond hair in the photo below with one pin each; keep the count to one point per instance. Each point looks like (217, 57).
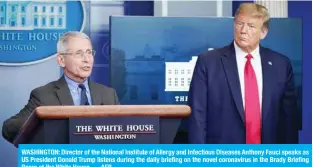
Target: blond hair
(255, 10)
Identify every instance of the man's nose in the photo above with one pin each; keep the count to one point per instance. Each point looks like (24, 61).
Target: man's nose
(86, 58)
(244, 29)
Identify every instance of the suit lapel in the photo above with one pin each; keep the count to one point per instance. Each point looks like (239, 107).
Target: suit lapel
(267, 81)
(230, 67)
(95, 96)
(63, 92)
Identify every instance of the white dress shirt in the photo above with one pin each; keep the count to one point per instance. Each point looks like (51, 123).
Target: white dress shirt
(257, 66)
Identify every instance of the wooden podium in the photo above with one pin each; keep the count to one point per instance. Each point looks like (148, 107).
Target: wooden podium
(103, 124)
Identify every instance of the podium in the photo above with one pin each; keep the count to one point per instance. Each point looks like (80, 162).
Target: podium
(140, 124)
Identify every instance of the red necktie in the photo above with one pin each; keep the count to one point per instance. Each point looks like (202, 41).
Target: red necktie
(252, 105)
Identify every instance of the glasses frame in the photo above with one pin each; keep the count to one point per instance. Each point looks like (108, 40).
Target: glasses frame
(80, 54)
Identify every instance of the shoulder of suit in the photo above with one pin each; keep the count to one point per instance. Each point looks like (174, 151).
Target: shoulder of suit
(215, 53)
(275, 55)
(50, 88)
(45, 89)
(100, 86)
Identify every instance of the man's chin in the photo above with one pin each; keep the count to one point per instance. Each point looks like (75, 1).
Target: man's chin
(243, 44)
(85, 75)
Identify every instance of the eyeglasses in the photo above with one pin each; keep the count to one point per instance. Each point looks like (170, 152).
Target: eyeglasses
(80, 53)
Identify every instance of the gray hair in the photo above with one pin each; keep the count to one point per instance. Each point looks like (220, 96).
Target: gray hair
(64, 39)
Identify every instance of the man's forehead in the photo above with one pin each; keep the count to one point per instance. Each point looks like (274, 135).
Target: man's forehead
(74, 38)
(249, 19)
(78, 50)
(78, 42)
(249, 16)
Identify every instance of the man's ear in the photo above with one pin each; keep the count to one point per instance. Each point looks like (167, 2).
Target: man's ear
(263, 32)
(60, 60)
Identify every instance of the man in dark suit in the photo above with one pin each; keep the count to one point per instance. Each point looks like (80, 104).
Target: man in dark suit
(76, 57)
(243, 92)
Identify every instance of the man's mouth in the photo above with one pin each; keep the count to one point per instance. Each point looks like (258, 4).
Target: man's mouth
(243, 39)
(86, 68)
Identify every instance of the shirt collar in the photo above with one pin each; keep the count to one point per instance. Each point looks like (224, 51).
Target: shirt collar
(239, 52)
(73, 85)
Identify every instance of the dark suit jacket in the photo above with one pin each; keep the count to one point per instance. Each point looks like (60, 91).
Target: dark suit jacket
(216, 102)
(55, 93)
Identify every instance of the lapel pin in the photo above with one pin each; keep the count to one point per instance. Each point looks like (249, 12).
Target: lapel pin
(270, 63)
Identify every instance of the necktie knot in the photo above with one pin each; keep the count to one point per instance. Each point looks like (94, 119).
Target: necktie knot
(82, 86)
(249, 57)
(83, 95)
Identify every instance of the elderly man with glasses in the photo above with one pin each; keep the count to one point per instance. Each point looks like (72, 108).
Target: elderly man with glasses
(76, 57)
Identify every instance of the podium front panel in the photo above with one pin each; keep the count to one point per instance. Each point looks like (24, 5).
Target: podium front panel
(127, 130)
